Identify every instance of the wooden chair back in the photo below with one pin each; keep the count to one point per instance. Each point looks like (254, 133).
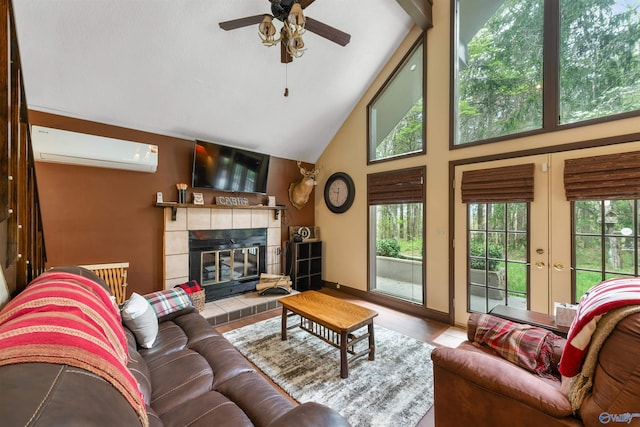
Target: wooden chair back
(114, 275)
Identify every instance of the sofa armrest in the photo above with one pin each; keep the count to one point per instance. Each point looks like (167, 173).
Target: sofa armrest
(310, 414)
(503, 378)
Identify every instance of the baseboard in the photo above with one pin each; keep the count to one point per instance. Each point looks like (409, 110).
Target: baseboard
(393, 303)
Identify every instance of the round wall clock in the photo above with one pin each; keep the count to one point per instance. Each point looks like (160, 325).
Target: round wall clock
(339, 192)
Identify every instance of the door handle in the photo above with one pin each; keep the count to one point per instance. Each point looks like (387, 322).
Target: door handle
(560, 267)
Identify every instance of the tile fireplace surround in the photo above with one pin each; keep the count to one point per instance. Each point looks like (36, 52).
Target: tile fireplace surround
(176, 235)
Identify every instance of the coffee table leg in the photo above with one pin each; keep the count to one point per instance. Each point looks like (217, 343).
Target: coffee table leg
(284, 323)
(344, 363)
(372, 343)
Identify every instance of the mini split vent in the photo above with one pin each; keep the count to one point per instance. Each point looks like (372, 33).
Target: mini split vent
(61, 146)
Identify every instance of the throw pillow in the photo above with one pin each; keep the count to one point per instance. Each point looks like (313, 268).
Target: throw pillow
(168, 301)
(139, 317)
(527, 346)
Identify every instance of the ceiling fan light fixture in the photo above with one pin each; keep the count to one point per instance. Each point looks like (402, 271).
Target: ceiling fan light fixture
(267, 31)
(289, 12)
(296, 18)
(294, 28)
(295, 46)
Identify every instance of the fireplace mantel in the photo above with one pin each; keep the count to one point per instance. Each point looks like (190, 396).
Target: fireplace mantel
(179, 219)
(174, 207)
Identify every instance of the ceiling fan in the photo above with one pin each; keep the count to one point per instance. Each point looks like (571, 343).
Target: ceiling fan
(295, 23)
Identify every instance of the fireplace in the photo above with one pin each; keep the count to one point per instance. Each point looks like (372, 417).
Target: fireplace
(201, 220)
(227, 262)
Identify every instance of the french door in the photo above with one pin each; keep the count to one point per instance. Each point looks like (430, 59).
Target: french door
(511, 276)
(546, 270)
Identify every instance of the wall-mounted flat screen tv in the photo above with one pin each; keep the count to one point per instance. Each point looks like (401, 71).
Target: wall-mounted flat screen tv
(223, 168)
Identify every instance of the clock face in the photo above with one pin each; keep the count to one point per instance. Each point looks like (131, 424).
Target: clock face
(339, 192)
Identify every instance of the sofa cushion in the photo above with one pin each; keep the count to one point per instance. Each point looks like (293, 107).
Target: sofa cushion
(170, 339)
(616, 381)
(209, 409)
(141, 319)
(140, 371)
(179, 378)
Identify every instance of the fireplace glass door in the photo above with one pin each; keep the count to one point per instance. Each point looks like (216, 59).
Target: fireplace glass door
(229, 264)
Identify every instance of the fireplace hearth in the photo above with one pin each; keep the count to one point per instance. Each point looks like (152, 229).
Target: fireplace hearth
(227, 262)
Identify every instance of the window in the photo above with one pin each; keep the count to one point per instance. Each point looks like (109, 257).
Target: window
(512, 78)
(604, 192)
(499, 64)
(498, 255)
(395, 117)
(599, 58)
(605, 242)
(396, 218)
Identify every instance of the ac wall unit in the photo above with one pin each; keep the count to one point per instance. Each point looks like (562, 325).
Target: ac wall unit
(73, 148)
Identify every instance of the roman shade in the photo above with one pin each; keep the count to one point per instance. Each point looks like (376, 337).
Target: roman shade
(606, 177)
(398, 186)
(495, 185)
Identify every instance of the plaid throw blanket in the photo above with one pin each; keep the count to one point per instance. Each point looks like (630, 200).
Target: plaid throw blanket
(529, 347)
(65, 318)
(190, 287)
(598, 301)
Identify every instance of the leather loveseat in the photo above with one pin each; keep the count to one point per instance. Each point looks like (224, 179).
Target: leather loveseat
(191, 376)
(474, 386)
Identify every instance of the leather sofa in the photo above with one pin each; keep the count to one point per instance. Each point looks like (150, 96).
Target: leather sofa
(191, 376)
(474, 386)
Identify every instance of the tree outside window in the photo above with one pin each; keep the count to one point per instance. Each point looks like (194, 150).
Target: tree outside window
(395, 117)
(500, 65)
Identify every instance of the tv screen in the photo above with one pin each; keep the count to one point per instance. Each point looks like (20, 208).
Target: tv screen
(223, 168)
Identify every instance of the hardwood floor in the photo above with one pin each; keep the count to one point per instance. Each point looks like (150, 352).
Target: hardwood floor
(429, 331)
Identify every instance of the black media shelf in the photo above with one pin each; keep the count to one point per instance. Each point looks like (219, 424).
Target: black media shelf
(304, 264)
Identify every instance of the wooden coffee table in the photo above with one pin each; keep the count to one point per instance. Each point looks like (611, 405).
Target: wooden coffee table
(334, 321)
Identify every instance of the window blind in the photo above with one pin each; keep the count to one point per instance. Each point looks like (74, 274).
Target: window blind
(398, 186)
(495, 185)
(606, 177)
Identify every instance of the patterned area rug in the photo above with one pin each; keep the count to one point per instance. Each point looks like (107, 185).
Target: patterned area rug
(396, 389)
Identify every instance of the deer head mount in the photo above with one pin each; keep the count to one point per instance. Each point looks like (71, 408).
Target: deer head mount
(299, 191)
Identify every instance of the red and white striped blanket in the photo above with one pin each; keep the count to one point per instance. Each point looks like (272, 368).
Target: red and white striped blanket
(68, 319)
(598, 301)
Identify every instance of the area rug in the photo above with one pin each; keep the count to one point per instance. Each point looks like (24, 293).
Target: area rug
(396, 389)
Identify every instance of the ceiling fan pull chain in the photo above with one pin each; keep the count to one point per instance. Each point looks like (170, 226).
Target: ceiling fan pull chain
(286, 80)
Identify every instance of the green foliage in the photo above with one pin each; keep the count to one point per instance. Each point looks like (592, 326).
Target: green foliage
(411, 248)
(493, 257)
(399, 221)
(599, 46)
(500, 86)
(388, 248)
(405, 137)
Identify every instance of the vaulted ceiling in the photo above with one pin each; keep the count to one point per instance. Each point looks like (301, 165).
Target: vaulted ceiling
(165, 66)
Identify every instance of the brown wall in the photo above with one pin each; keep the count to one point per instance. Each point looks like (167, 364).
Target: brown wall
(97, 215)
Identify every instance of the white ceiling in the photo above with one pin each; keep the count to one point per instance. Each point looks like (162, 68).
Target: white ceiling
(164, 66)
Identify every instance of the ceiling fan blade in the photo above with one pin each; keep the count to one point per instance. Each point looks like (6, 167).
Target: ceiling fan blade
(327, 31)
(305, 3)
(242, 22)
